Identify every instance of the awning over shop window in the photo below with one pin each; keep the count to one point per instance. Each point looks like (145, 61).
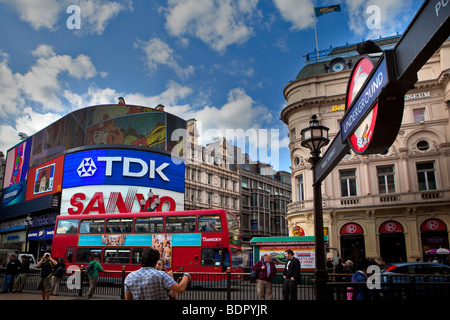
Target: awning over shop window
(391, 227)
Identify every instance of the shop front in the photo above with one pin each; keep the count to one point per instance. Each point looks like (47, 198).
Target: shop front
(40, 241)
(13, 238)
(392, 242)
(352, 242)
(434, 235)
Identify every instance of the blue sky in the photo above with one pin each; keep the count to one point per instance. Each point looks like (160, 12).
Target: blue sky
(223, 62)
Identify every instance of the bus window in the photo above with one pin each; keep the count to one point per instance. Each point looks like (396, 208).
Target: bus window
(69, 255)
(137, 255)
(226, 258)
(119, 225)
(92, 226)
(148, 225)
(84, 254)
(233, 229)
(69, 226)
(121, 256)
(211, 257)
(209, 223)
(177, 224)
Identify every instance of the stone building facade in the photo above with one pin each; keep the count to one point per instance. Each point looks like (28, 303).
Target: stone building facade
(219, 175)
(393, 205)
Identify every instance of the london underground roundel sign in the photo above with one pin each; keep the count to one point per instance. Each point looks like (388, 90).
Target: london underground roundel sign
(363, 134)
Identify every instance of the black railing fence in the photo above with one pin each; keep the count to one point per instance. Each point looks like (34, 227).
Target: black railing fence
(238, 286)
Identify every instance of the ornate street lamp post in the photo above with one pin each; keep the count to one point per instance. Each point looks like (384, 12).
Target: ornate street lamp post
(314, 138)
(152, 206)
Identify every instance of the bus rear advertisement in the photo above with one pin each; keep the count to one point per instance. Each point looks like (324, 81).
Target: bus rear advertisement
(194, 241)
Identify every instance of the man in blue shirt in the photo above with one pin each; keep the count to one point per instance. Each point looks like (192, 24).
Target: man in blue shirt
(148, 283)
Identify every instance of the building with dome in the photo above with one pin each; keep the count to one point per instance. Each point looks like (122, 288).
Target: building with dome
(393, 205)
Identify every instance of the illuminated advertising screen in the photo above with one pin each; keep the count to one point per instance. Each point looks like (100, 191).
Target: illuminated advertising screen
(123, 167)
(117, 180)
(118, 199)
(45, 179)
(16, 173)
(17, 161)
(106, 125)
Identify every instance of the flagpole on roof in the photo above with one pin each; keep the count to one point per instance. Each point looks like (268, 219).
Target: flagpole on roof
(317, 42)
(319, 12)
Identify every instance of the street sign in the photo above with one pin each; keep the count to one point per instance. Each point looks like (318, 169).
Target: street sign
(335, 152)
(427, 31)
(363, 99)
(367, 95)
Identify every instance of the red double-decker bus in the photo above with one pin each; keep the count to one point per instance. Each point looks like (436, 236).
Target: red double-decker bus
(194, 241)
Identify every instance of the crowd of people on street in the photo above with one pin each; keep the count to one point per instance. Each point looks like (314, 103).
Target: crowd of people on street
(17, 272)
(350, 266)
(153, 282)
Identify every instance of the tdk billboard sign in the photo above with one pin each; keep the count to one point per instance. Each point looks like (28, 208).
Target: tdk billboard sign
(122, 167)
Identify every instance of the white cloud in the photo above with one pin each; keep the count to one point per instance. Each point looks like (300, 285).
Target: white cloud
(94, 96)
(38, 13)
(28, 122)
(51, 14)
(392, 17)
(170, 98)
(157, 52)
(95, 15)
(300, 13)
(239, 112)
(42, 83)
(43, 51)
(218, 23)
(11, 99)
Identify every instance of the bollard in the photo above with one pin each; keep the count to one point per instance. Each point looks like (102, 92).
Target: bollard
(122, 289)
(80, 291)
(228, 283)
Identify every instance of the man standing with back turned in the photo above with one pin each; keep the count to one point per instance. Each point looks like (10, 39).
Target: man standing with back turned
(291, 275)
(148, 283)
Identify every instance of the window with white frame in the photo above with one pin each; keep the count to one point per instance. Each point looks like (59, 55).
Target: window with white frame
(300, 188)
(348, 183)
(419, 115)
(386, 181)
(426, 176)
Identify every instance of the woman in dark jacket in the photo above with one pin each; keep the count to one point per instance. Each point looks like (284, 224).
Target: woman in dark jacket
(267, 271)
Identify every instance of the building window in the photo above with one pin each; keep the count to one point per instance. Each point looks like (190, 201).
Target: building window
(348, 183)
(426, 176)
(423, 145)
(245, 182)
(293, 135)
(386, 181)
(209, 198)
(419, 115)
(300, 188)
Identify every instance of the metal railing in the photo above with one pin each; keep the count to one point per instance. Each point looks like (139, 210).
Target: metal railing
(390, 287)
(239, 286)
